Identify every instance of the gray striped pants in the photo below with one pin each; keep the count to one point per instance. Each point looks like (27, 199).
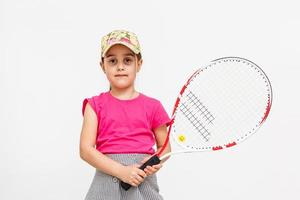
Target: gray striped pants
(107, 187)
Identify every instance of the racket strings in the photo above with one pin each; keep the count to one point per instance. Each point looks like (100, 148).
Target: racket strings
(193, 105)
(238, 84)
(243, 94)
(238, 95)
(200, 107)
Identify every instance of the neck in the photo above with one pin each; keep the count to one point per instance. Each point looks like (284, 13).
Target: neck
(124, 93)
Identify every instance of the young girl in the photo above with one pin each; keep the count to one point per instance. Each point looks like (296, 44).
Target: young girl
(121, 126)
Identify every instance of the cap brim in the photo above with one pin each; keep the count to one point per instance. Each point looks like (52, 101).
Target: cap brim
(131, 47)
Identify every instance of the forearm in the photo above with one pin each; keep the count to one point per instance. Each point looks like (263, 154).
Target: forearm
(165, 151)
(101, 161)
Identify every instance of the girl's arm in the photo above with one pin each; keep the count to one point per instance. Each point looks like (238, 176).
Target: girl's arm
(160, 137)
(88, 152)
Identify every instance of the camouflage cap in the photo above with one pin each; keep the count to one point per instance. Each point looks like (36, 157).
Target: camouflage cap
(123, 37)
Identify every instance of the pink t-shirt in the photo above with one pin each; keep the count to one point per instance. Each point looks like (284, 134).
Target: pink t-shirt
(126, 126)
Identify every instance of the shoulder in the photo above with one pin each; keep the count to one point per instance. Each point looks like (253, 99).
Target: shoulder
(99, 97)
(152, 103)
(95, 101)
(150, 100)
(159, 115)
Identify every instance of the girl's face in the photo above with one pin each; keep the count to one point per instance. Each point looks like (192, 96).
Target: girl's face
(120, 65)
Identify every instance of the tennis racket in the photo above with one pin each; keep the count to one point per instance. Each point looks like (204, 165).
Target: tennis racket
(221, 105)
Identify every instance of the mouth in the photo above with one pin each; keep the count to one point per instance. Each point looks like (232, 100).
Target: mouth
(121, 75)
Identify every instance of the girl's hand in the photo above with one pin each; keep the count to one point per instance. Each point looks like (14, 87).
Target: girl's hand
(151, 169)
(132, 175)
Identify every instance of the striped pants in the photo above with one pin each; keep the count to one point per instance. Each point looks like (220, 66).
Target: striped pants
(106, 187)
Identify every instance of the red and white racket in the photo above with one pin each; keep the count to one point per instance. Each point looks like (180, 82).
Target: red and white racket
(221, 105)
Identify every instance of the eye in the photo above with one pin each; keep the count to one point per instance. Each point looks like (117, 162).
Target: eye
(128, 61)
(112, 61)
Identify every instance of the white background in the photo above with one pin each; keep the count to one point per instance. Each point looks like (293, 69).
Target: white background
(49, 54)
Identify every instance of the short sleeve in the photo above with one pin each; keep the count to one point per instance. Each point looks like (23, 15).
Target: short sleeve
(160, 116)
(92, 103)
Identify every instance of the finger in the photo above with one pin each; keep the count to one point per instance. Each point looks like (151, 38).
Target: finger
(133, 183)
(147, 171)
(158, 166)
(137, 180)
(135, 176)
(153, 168)
(142, 173)
(150, 169)
(153, 171)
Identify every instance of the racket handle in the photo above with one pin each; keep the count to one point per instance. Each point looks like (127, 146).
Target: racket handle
(154, 160)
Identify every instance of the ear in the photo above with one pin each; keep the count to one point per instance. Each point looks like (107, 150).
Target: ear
(139, 65)
(102, 67)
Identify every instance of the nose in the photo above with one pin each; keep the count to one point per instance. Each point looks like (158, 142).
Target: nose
(120, 67)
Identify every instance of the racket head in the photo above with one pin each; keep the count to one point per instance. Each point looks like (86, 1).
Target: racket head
(221, 105)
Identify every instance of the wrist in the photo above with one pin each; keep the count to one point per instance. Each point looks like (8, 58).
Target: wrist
(118, 171)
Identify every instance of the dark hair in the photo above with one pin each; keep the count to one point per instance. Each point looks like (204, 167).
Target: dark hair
(139, 57)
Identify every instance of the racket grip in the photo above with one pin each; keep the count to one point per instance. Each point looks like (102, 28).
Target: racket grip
(154, 160)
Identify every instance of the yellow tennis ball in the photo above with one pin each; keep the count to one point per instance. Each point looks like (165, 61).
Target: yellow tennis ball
(181, 138)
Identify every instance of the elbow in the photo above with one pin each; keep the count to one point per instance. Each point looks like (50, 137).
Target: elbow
(86, 150)
(83, 152)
